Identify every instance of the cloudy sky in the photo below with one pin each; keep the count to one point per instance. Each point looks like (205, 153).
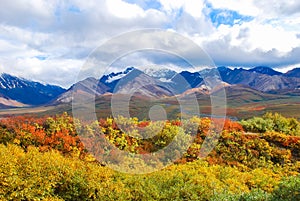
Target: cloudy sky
(50, 40)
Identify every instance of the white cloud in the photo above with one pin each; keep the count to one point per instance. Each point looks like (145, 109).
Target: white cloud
(243, 7)
(61, 72)
(251, 36)
(274, 8)
(171, 5)
(33, 13)
(270, 38)
(124, 10)
(194, 8)
(267, 37)
(287, 68)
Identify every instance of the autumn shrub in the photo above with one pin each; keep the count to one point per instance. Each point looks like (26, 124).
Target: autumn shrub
(46, 133)
(33, 175)
(67, 135)
(44, 159)
(6, 136)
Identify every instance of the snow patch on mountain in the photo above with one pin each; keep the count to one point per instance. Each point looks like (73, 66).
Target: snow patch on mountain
(116, 76)
(162, 74)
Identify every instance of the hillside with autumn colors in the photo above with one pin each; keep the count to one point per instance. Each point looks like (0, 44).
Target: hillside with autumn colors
(61, 158)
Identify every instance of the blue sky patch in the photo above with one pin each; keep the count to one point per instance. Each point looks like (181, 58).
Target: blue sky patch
(146, 4)
(74, 9)
(227, 17)
(41, 57)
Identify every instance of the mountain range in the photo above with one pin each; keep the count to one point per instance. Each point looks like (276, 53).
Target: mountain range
(152, 83)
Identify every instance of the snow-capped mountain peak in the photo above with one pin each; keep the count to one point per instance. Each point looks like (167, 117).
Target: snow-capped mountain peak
(162, 74)
(10, 82)
(116, 76)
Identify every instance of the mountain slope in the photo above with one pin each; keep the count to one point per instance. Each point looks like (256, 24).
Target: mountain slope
(113, 78)
(185, 80)
(138, 83)
(265, 70)
(6, 102)
(26, 91)
(244, 94)
(87, 87)
(293, 73)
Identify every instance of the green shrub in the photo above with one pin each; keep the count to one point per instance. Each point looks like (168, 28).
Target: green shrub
(272, 122)
(254, 195)
(288, 189)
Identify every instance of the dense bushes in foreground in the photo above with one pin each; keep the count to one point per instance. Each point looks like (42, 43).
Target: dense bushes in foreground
(45, 158)
(33, 175)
